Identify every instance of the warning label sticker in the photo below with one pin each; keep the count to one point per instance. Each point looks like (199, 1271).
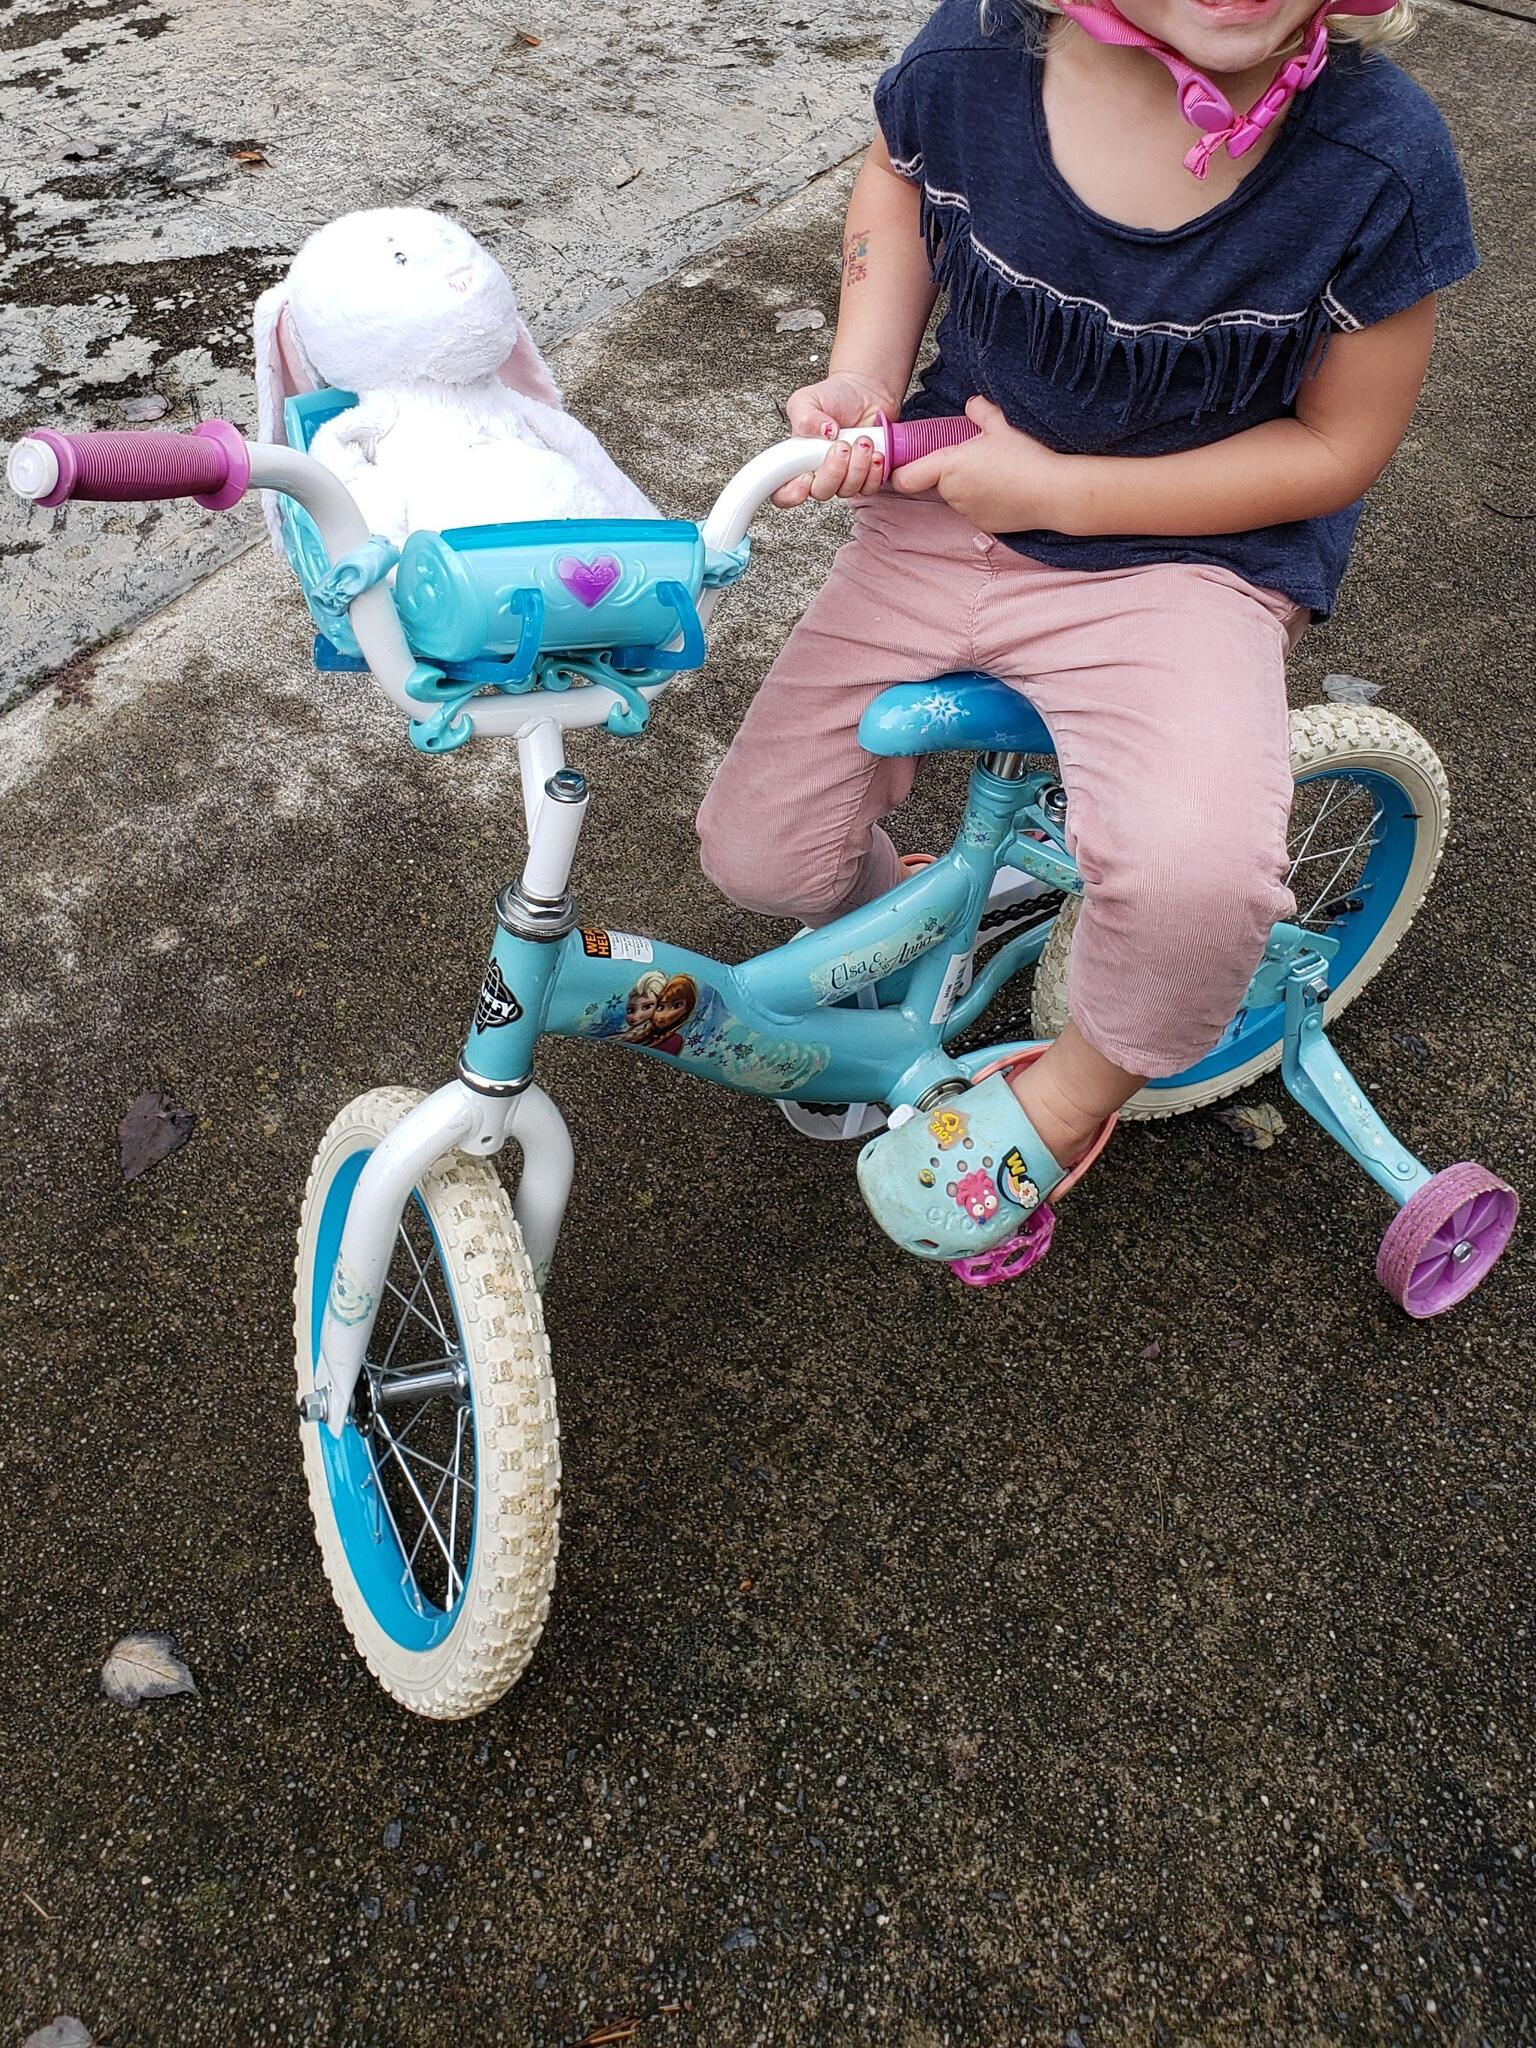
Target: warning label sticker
(616, 946)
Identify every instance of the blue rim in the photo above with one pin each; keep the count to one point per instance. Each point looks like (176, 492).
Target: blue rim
(374, 1556)
(1379, 885)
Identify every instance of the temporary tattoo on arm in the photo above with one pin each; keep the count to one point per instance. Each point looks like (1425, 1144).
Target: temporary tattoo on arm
(856, 256)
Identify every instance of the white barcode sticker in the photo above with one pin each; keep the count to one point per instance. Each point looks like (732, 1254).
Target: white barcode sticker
(957, 979)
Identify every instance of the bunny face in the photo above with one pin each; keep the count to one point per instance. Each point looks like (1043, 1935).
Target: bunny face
(398, 295)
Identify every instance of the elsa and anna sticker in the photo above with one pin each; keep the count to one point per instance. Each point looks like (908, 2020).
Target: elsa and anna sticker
(677, 1015)
(658, 1010)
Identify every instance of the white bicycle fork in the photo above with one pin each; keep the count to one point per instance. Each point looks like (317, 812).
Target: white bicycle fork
(459, 1118)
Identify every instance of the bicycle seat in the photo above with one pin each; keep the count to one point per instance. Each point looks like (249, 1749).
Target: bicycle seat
(963, 714)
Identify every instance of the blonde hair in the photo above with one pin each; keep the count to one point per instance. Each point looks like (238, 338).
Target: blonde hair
(1370, 30)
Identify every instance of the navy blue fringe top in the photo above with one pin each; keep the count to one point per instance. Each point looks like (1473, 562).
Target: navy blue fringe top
(1102, 339)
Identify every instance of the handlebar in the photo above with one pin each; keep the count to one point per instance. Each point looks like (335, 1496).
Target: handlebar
(215, 466)
(211, 465)
(899, 441)
(907, 440)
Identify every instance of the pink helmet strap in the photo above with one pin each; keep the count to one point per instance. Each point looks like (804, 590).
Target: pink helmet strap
(1203, 104)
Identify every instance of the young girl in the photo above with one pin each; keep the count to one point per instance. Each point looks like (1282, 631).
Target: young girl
(1191, 340)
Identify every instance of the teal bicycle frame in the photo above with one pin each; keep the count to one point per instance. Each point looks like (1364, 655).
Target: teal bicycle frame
(781, 1024)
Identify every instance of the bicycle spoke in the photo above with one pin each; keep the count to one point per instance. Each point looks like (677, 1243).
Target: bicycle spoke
(1339, 848)
(421, 1458)
(411, 1309)
(1333, 852)
(421, 1466)
(1307, 850)
(389, 1354)
(382, 1427)
(388, 1511)
(422, 1271)
(1327, 889)
(429, 1521)
(395, 1373)
(404, 1431)
(1326, 806)
(458, 1454)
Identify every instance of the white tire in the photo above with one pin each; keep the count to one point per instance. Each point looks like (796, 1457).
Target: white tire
(1325, 738)
(484, 1628)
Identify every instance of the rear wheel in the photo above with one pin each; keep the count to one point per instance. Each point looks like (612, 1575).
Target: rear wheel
(1367, 829)
(437, 1508)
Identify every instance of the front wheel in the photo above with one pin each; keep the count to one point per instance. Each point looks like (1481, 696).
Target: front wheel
(1367, 829)
(437, 1508)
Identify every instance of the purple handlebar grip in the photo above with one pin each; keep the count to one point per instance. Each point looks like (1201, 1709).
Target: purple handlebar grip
(906, 440)
(211, 465)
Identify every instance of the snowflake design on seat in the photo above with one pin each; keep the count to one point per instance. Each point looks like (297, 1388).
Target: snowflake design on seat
(939, 707)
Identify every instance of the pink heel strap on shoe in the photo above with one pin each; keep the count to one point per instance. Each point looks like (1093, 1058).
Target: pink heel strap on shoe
(1027, 1247)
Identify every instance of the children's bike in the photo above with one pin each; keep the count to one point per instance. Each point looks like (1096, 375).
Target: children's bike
(425, 1394)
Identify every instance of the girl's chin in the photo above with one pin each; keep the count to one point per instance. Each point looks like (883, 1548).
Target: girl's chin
(1228, 35)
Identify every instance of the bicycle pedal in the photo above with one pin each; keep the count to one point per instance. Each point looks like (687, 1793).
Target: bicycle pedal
(833, 1122)
(1012, 1259)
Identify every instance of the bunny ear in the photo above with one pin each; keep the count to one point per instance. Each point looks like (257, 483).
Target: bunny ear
(270, 394)
(299, 374)
(525, 370)
(282, 371)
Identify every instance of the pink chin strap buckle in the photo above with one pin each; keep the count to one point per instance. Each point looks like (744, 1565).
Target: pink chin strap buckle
(1203, 104)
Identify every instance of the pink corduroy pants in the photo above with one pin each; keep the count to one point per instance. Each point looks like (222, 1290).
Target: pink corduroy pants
(1164, 690)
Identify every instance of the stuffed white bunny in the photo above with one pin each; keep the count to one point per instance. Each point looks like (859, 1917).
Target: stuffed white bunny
(458, 420)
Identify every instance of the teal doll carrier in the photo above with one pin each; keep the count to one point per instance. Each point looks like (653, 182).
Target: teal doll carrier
(549, 604)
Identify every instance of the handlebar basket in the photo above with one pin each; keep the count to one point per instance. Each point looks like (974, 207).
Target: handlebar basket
(523, 605)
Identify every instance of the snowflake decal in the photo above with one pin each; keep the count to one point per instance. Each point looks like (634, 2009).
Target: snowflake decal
(940, 707)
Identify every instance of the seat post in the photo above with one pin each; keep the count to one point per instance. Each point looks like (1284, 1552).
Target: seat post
(1006, 767)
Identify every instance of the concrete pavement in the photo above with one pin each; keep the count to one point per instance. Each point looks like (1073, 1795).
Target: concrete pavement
(1140, 1654)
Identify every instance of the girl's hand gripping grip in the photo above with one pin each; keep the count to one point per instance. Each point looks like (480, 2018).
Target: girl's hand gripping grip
(211, 466)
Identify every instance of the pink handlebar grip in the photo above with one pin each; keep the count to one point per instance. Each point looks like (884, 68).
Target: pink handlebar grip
(906, 440)
(211, 465)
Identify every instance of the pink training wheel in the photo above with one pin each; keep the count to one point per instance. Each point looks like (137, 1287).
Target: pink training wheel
(1443, 1240)
(1006, 1261)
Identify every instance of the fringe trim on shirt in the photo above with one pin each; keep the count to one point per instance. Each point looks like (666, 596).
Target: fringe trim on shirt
(1078, 343)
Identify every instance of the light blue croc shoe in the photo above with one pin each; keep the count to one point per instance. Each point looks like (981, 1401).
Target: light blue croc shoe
(961, 1178)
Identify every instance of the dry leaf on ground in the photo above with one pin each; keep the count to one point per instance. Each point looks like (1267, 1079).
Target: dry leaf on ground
(144, 1667)
(1258, 1124)
(1350, 690)
(153, 1129)
(62, 2032)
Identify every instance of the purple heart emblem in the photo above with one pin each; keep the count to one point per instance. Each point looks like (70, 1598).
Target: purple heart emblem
(588, 582)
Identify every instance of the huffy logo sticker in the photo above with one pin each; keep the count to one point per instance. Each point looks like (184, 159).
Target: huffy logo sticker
(497, 1004)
